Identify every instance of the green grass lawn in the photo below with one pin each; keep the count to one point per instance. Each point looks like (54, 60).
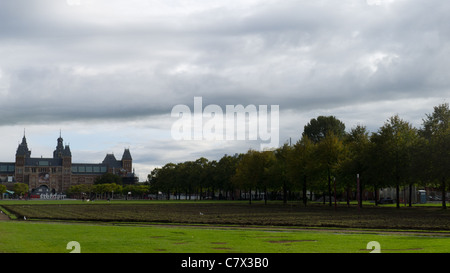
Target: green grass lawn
(43, 237)
(225, 227)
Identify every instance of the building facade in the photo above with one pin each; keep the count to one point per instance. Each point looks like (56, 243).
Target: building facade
(58, 173)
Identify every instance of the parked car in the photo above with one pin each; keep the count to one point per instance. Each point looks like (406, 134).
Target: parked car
(434, 198)
(386, 201)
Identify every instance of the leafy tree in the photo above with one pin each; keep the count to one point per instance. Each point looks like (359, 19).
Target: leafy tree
(437, 122)
(2, 190)
(436, 132)
(300, 164)
(201, 171)
(152, 179)
(251, 172)
(355, 159)
(20, 188)
(100, 189)
(274, 171)
(225, 170)
(114, 188)
(277, 171)
(329, 155)
(80, 190)
(166, 179)
(318, 128)
(135, 190)
(393, 142)
(108, 178)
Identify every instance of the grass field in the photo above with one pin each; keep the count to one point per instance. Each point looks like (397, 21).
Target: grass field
(210, 227)
(38, 237)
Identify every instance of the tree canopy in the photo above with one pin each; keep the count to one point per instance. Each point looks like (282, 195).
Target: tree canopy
(324, 162)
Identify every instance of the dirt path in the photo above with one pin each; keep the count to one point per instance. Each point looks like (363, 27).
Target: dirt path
(3, 217)
(289, 229)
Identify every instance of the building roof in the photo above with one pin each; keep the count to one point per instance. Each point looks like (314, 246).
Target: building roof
(61, 151)
(127, 155)
(87, 168)
(111, 161)
(23, 150)
(43, 162)
(67, 151)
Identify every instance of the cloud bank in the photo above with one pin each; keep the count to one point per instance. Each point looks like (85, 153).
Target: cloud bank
(118, 67)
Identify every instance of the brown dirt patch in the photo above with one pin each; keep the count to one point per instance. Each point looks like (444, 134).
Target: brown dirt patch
(3, 217)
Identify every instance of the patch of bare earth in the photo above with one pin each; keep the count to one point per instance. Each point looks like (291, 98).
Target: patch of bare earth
(3, 217)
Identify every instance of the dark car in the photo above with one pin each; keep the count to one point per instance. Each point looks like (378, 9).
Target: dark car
(386, 201)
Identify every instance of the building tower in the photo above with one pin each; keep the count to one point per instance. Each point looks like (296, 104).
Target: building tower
(66, 168)
(22, 154)
(59, 148)
(127, 161)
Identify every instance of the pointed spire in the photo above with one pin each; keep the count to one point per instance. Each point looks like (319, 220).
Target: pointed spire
(67, 151)
(24, 139)
(126, 155)
(59, 147)
(22, 149)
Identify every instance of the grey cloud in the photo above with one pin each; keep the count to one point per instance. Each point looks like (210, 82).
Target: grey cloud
(300, 55)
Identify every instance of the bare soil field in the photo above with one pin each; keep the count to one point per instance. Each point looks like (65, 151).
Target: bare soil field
(242, 214)
(3, 217)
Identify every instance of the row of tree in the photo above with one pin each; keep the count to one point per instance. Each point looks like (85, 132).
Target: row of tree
(107, 191)
(19, 189)
(324, 161)
(106, 186)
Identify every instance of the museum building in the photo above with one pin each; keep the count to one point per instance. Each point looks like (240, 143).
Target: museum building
(58, 173)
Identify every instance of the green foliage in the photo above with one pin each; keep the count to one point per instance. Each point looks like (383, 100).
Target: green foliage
(20, 188)
(318, 128)
(326, 160)
(253, 171)
(300, 167)
(2, 190)
(395, 141)
(108, 178)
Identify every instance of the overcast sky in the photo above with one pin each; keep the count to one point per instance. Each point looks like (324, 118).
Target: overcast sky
(107, 73)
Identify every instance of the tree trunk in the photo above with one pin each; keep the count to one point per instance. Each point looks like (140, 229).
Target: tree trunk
(444, 193)
(410, 195)
(376, 195)
(329, 187)
(397, 189)
(348, 197)
(265, 195)
(360, 194)
(304, 191)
